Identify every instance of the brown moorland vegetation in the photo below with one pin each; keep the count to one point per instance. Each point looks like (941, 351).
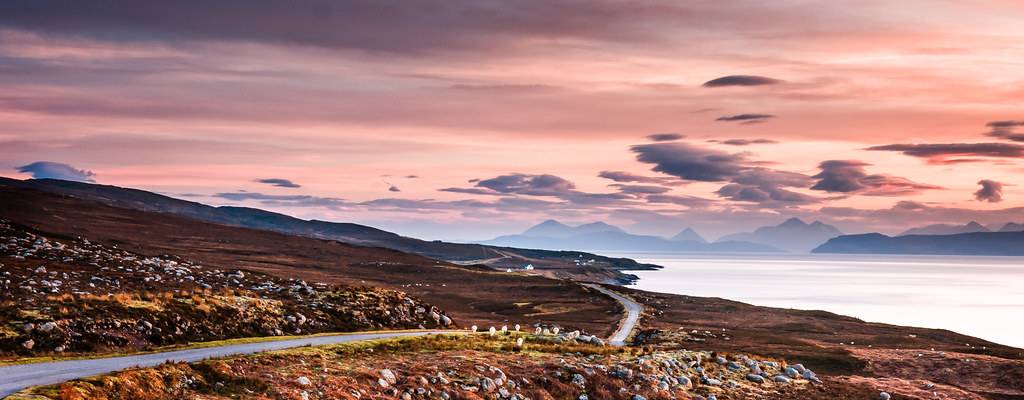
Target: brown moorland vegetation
(458, 367)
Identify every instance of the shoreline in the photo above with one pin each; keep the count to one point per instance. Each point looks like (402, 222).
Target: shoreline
(855, 288)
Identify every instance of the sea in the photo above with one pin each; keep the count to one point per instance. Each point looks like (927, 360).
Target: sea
(977, 296)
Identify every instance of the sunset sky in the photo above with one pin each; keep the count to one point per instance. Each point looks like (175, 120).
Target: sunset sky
(466, 119)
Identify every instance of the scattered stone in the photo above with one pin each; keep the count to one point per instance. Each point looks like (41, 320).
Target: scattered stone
(388, 376)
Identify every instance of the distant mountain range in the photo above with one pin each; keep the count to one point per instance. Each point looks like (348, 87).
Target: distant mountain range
(555, 229)
(793, 235)
(598, 236)
(970, 227)
(944, 229)
(974, 243)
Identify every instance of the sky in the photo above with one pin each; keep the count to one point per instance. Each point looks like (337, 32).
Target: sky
(467, 119)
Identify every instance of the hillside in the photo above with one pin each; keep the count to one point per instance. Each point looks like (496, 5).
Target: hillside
(471, 294)
(75, 296)
(555, 263)
(977, 244)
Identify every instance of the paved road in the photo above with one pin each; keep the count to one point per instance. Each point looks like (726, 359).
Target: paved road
(632, 315)
(19, 377)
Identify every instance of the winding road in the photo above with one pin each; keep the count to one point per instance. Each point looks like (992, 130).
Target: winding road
(632, 314)
(19, 377)
(15, 378)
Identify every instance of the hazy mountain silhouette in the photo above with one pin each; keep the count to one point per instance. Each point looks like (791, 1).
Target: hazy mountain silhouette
(688, 235)
(555, 229)
(792, 235)
(553, 235)
(946, 229)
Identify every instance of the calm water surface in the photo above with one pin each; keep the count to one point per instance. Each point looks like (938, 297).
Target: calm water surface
(977, 296)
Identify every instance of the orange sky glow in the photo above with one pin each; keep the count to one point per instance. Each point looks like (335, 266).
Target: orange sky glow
(469, 119)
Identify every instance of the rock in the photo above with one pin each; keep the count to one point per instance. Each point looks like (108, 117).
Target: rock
(445, 396)
(884, 396)
(755, 378)
(28, 327)
(780, 379)
(304, 395)
(388, 376)
(488, 385)
(29, 344)
(732, 366)
(578, 380)
(809, 375)
(791, 372)
(383, 383)
(445, 320)
(798, 367)
(638, 397)
(685, 381)
(583, 397)
(303, 381)
(46, 327)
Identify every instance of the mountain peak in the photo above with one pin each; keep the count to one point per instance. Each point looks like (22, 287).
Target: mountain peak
(688, 235)
(598, 224)
(552, 228)
(794, 221)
